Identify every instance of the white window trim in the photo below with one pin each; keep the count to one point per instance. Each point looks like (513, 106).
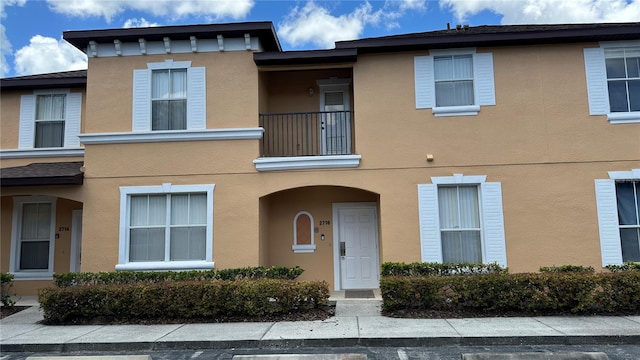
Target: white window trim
(167, 188)
(607, 212)
(425, 83)
(307, 162)
(597, 87)
(18, 202)
(303, 248)
(491, 218)
(168, 136)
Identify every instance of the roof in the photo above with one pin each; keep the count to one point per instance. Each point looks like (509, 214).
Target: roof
(57, 173)
(264, 30)
(305, 57)
(46, 81)
(497, 35)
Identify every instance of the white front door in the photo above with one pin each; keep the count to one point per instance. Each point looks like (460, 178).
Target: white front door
(357, 245)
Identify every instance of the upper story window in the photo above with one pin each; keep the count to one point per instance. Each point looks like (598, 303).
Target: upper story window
(169, 99)
(169, 96)
(454, 82)
(613, 80)
(623, 78)
(50, 119)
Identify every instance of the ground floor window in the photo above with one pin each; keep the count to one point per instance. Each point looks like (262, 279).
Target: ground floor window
(461, 220)
(166, 227)
(618, 206)
(33, 237)
(628, 198)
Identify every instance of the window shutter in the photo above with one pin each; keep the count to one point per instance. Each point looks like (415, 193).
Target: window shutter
(596, 73)
(430, 245)
(483, 77)
(493, 223)
(607, 207)
(72, 120)
(27, 121)
(141, 111)
(424, 83)
(196, 99)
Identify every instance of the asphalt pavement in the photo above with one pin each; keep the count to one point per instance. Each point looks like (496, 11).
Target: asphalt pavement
(357, 323)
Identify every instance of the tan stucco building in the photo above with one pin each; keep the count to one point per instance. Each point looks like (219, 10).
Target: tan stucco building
(194, 147)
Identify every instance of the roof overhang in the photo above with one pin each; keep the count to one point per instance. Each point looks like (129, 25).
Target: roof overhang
(69, 79)
(264, 30)
(306, 57)
(60, 173)
(504, 35)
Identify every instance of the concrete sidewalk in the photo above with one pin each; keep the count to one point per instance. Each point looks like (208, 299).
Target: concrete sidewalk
(357, 323)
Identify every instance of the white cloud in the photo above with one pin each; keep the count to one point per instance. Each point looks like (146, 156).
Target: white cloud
(548, 11)
(412, 5)
(5, 45)
(45, 54)
(314, 24)
(108, 9)
(136, 23)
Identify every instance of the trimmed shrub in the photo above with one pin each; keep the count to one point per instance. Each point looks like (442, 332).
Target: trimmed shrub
(518, 294)
(171, 301)
(135, 277)
(439, 269)
(567, 269)
(628, 266)
(6, 283)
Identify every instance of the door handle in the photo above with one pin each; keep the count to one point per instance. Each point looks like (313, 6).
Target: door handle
(343, 249)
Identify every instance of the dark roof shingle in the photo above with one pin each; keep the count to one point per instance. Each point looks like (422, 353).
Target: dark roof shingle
(56, 173)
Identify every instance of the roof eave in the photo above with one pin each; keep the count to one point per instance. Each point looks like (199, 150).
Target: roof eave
(23, 84)
(306, 57)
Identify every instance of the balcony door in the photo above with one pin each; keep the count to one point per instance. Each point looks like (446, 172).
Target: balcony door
(336, 117)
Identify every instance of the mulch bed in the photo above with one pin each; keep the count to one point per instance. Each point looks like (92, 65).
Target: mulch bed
(7, 311)
(306, 315)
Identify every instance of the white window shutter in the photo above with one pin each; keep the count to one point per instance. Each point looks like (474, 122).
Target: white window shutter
(483, 77)
(596, 72)
(196, 99)
(493, 223)
(429, 219)
(607, 207)
(72, 120)
(141, 112)
(27, 122)
(424, 82)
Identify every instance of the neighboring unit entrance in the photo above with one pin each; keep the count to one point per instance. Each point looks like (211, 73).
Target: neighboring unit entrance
(336, 117)
(356, 245)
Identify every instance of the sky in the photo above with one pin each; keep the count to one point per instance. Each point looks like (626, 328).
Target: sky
(31, 30)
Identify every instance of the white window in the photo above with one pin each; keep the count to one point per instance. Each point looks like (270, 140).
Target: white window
(166, 227)
(169, 96)
(454, 82)
(461, 220)
(303, 233)
(33, 237)
(50, 120)
(613, 81)
(618, 204)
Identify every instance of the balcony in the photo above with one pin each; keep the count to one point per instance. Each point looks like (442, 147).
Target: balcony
(307, 140)
(318, 133)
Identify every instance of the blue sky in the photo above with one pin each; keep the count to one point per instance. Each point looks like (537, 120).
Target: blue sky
(31, 30)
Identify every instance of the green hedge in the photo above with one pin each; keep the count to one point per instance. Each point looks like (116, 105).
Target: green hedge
(6, 283)
(519, 294)
(439, 269)
(567, 269)
(628, 266)
(133, 277)
(171, 301)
